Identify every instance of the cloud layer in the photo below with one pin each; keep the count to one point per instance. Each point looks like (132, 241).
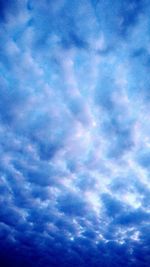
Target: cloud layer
(74, 131)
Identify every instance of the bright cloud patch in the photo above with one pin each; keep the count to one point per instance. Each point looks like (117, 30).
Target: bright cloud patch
(75, 133)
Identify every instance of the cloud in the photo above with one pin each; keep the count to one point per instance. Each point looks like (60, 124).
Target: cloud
(74, 131)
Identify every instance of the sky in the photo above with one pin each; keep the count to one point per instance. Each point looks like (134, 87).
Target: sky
(74, 133)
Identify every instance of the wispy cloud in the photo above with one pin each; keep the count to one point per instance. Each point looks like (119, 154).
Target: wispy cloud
(74, 131)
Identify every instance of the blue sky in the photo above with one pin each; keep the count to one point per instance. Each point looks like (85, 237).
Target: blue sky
(74, 133)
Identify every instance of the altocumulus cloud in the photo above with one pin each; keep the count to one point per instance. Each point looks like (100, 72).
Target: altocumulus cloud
(74, 133)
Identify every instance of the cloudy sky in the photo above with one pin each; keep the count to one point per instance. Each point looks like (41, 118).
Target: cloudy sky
(74, 133)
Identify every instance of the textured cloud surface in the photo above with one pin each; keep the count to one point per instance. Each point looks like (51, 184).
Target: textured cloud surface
(74, 133)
